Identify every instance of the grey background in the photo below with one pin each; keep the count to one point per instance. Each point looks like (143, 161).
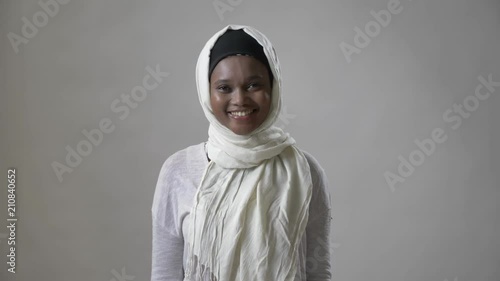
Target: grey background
(442, 223)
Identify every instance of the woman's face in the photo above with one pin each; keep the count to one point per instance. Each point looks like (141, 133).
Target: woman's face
(240, 93)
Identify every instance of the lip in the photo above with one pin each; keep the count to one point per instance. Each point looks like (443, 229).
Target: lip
(240, 109)
(242, 118)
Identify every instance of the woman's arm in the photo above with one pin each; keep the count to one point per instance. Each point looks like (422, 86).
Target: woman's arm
(318, 256)
(167, 242)
(168, 250)
(318, 260)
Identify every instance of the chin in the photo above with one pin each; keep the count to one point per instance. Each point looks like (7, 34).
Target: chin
(242, 132)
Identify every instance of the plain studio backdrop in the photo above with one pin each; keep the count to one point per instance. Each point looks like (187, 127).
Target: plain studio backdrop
(401, 112)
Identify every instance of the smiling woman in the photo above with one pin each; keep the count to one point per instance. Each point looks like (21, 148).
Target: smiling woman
(240, 82)
(240, 93)
(259, 208)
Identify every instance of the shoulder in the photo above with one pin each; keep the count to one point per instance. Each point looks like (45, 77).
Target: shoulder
(181, 160)
(180, 168)
(317, 172)
(170, 190)
(175, 171)
(321, 199)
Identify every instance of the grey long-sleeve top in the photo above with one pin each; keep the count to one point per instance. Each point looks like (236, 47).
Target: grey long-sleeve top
(178, 180)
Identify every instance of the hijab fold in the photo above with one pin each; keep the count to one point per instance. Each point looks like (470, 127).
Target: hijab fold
(251, 207)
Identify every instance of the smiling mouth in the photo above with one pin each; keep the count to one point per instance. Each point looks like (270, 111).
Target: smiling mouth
(241, 114)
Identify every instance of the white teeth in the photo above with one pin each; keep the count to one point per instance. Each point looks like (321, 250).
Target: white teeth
(241, 113)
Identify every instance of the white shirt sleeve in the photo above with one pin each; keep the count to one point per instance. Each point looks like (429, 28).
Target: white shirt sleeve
(167, 256)
(318, 256)
(167, 240)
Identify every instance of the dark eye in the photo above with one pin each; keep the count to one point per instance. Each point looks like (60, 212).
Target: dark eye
(253, 85)
(223, 88)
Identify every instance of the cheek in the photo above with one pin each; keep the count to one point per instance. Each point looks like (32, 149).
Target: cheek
(213, 100)
(217, 102)
(266, 100)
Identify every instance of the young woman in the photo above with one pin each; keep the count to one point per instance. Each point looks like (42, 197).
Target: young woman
(248, 204)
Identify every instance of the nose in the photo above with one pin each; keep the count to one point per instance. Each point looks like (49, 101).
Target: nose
(239, 96)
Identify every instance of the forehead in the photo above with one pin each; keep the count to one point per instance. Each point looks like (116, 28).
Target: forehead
(239, 64)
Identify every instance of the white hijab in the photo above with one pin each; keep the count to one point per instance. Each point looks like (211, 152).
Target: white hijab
(252, 205)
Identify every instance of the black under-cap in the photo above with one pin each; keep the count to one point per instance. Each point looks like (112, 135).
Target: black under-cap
(234, 42)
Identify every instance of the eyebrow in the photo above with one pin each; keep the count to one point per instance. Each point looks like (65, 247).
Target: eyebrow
(249, 78)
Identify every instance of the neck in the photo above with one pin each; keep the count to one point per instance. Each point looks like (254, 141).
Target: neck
(206, 152)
